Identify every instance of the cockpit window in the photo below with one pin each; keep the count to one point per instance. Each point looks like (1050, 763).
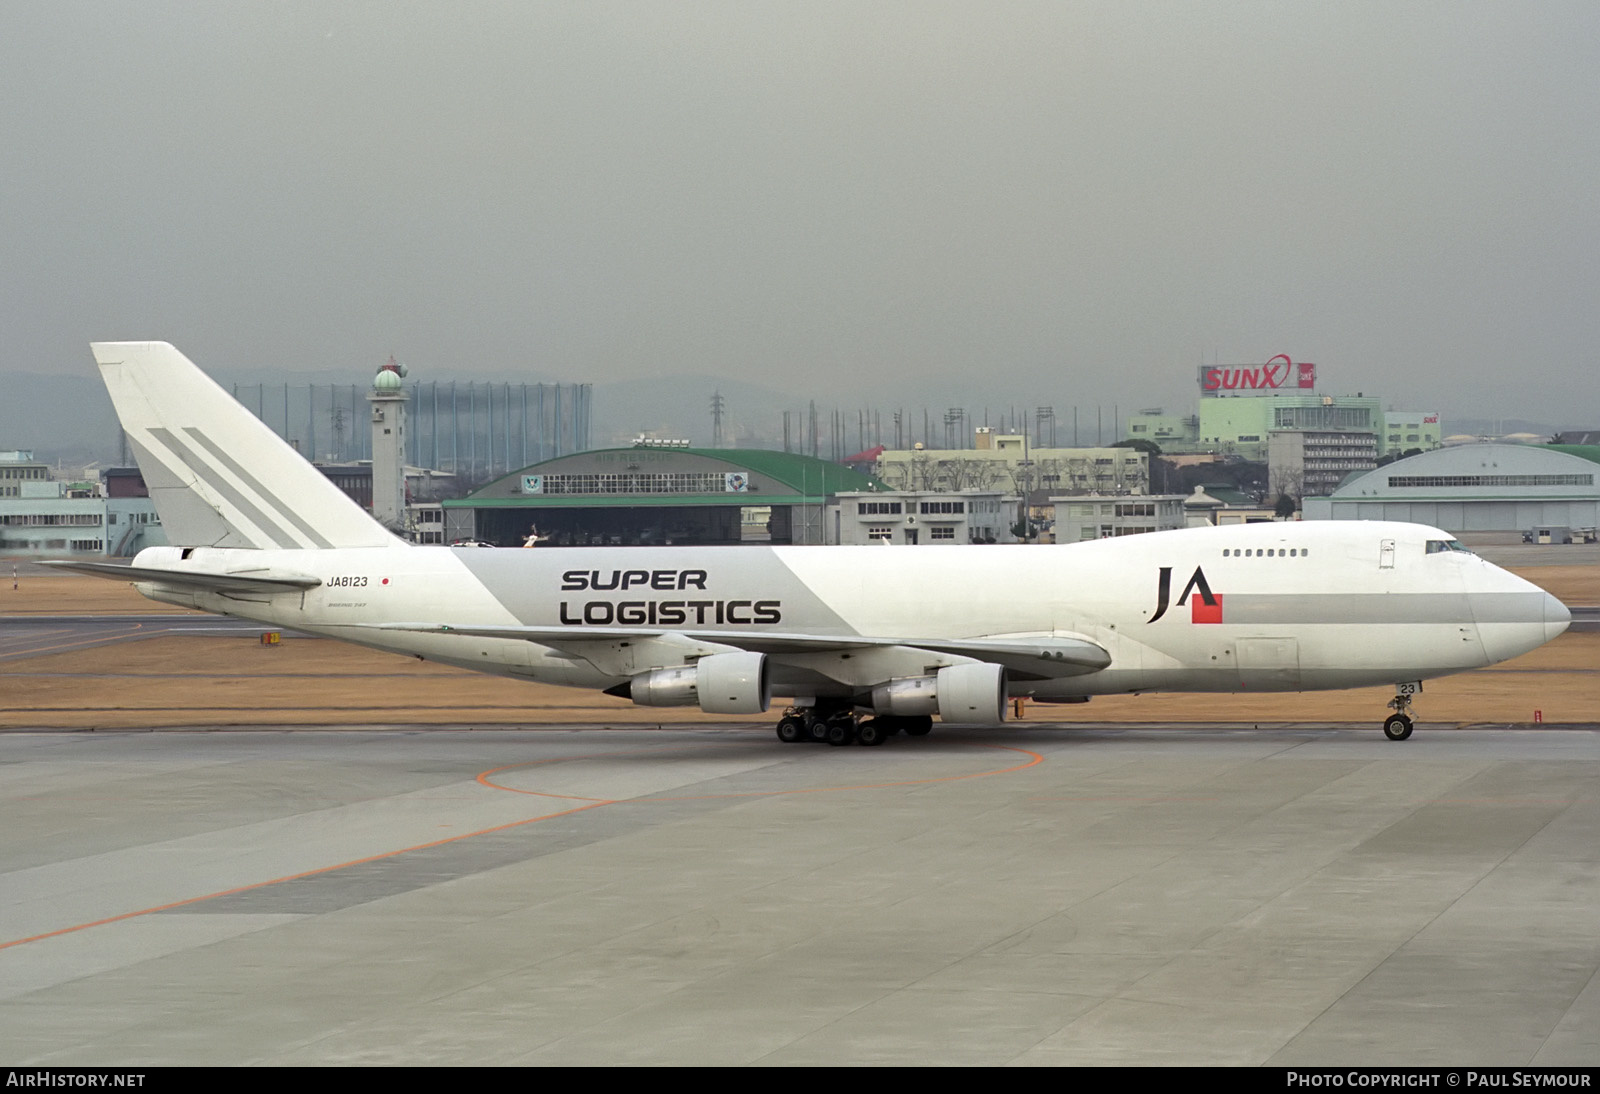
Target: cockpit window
(1435, 546)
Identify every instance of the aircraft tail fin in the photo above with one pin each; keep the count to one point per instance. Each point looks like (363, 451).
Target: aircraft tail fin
(219, 477)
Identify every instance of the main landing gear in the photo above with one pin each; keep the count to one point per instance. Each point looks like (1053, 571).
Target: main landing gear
(840, 726)
(1397, 727)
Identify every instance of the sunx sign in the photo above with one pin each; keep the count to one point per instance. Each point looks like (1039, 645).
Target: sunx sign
(1278, 374)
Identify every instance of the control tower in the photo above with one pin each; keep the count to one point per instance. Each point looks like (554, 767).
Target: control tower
(388, 399)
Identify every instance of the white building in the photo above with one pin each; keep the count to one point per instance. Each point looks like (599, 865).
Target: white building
(1080, 518)
(921, 517)
(57, 525)
(425, 522)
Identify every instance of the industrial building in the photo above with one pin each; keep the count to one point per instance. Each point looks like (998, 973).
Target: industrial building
(657, 495)
(1010, 463)
(1239, 408)
(18, 467)
(1243, 425)
(1305, 463)
(1475, 488)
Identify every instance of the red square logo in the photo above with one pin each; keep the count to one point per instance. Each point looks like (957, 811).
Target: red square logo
(1201, 612)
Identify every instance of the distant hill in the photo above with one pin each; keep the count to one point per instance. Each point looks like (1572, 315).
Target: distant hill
(60, 418)
(680, 406)
(68, 418)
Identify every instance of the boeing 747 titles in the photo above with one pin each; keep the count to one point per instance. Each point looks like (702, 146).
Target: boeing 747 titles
(862, 642)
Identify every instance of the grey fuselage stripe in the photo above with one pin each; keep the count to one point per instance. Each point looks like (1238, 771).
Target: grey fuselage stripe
(1394, 608)
(1528, 607)
(282, 507)
(208, 475)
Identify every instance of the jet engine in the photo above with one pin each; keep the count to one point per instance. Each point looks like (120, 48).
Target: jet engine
(723, 683)
(959, 693)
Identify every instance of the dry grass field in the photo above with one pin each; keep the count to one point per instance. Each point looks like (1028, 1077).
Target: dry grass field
(233, 681)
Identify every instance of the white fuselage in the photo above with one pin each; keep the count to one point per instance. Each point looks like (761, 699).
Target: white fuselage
(1267, 607)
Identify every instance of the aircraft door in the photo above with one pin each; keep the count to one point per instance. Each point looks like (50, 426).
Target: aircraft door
(1386, 554)
(1268, 664)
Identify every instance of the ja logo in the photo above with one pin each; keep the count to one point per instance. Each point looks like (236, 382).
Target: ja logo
(1207, 605)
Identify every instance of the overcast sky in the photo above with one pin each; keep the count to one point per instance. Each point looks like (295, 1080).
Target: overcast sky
(1066, 202)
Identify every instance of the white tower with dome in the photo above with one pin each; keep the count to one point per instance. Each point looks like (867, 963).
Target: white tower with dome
(388, 399)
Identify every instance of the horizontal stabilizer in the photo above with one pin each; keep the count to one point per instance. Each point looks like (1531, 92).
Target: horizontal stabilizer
(255, 581)
(1042, 656)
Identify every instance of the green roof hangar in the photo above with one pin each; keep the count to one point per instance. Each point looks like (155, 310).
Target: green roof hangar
(649, 496)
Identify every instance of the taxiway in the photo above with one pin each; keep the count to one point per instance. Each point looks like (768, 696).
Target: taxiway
(694, 895)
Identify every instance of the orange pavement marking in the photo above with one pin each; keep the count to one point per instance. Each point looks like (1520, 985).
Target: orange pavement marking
(294, 877)
(484, 779)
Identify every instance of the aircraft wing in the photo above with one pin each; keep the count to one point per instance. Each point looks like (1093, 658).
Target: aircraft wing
(260, 580)
(1040, 657)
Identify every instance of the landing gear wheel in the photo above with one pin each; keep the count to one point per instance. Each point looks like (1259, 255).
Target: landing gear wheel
(841, 730)
(791, 729)
(919, 725)
(1397, 727)
(816, 728)
(872, 732)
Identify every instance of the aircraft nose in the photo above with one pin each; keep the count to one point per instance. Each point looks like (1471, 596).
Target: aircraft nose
(1556, 617)
(1515, 615)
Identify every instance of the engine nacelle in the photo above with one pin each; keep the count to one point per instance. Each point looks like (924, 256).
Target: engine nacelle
(678, 687)
(916, 696)
(723, 683)
(959, 693)
(734, 683)
(972, 693)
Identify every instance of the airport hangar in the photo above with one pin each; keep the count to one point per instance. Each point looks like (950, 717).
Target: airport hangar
(657, 494)
(1475, 488)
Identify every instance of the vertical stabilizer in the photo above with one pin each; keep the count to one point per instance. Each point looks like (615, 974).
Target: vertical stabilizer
(219, 477)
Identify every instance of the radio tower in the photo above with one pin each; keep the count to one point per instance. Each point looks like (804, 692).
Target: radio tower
(716, 420)
(338, 432)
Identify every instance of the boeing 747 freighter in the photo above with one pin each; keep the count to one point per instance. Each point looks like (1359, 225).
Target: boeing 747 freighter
(862, 642)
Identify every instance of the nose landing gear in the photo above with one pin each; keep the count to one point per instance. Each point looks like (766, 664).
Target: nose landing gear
(1397, 727)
